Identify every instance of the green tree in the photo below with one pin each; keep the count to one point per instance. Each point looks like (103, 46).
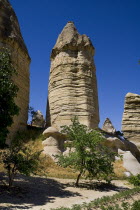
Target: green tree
(8, 91)
(20, 157)
(87, 154)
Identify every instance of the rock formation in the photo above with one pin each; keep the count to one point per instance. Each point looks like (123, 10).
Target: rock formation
(54, 142)
(120, 145)
(11, 38)
(38, 119)
(131, 118)
(72, 84)
(108, 127)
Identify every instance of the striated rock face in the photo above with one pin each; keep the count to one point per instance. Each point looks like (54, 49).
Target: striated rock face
(131, 118)
(10, 37)
(108, 127)
(72, 84)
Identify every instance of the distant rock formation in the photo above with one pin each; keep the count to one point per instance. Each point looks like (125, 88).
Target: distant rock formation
(108, 127)
(131, 118)
(38, 119)
(11, 38)
(72, 84)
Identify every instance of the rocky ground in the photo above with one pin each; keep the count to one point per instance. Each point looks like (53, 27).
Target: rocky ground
(38, 193)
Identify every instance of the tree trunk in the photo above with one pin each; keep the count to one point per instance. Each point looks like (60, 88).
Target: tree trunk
(77, 181)
(10, 178)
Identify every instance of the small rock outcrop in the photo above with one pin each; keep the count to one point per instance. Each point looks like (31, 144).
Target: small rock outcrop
(131, 118)
(72, 83)
(108, 127)
(120, 145)
(129, 152)
(11, 38)
(54, 142)
(38, 119)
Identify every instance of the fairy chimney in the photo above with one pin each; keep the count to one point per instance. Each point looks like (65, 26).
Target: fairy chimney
(131, 118)
(11, 38)
(72, 85)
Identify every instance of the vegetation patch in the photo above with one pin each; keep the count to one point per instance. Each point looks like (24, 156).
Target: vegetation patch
(119, 201)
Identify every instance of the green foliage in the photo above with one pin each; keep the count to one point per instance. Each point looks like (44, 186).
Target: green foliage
(8, 91)
(110, 202)
(135, 180)
(87, 154)
(20, 158)
(136, 205)
(31, 112)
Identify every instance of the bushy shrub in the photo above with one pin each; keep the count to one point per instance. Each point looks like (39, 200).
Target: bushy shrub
(135, 180)
(20, 157)
(87, 154)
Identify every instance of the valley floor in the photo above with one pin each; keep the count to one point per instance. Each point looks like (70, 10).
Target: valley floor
(37, 193)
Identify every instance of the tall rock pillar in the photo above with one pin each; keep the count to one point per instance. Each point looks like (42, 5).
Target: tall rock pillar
(131, 118)
(11, 38)
(72, 83)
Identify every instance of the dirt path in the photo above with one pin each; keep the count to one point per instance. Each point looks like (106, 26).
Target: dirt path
(43, 194)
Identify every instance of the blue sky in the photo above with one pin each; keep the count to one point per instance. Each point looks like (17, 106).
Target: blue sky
(114, 29)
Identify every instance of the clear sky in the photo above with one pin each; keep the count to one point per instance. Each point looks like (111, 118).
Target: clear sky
(114, 29)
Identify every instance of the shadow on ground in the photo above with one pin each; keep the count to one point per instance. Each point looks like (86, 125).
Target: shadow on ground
(99, 186)
(32, 191)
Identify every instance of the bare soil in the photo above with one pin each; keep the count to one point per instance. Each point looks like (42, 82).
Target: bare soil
(39, 193)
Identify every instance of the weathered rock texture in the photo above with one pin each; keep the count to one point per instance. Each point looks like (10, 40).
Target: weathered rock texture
(127, 148)
(10, 37)
(72, 84)
(108, 127)
(38, 119)
(54, 142)
(131, 118)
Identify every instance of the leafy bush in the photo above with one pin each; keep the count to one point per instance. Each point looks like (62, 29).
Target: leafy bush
(135, 180)
(136, 205)
(19, 157)
(87, 154)
(8, 91)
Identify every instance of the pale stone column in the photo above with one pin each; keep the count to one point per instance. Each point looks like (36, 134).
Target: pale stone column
(72, 84)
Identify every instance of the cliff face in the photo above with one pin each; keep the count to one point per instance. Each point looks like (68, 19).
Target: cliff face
(11, 38)
(72, 84)
(131, 118)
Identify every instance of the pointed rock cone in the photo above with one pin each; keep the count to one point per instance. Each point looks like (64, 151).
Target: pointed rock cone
(11, 38)
(108, 127)
(72, 83)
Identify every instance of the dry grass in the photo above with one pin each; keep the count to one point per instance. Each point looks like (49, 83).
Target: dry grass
(119, 169)
(54, 170)
(48, 167)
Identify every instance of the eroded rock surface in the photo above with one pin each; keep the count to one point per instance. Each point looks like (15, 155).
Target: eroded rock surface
(131, 118)
(38, 119)
(11, 38)
(54, 142)
(72, 84)
(128, 149)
